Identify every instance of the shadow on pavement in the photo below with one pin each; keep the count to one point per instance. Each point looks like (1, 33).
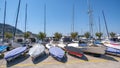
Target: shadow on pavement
(106, 57)
(16, 60)
(82, 58)
(64, 60)
(40, 58)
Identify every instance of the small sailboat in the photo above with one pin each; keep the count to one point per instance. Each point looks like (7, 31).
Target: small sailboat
(2, 48)
(57, 53)
(15, 53)
(36, 50)
(76, 51)
(112, 47)
(92, 48)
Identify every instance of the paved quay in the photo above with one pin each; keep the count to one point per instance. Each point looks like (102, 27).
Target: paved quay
(46, 61)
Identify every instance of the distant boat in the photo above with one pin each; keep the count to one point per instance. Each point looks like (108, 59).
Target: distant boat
(36, 50)
(112, 47)
(15, 53)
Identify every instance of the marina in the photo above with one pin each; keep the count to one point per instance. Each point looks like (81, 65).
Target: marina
(30, 43)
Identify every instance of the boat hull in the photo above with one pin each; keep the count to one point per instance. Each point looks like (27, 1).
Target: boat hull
(57, 53)
(36, 50)
(74, 51)
(15, 53)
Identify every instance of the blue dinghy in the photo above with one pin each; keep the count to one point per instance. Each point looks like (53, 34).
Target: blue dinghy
(113, 50)
(15, 53)
(57, 53)
(2, 48)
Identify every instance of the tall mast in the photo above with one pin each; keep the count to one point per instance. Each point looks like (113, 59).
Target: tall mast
(4, 20)
(99, 25)
(16, 19)
(73, 18)
(25, 18)
(90, 11)
(45, 18)
(105, 23)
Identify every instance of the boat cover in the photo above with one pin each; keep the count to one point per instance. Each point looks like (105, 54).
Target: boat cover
(113, 50)
(74, 49)
(15, 52)
(2, 48)
(36, 50)
(57, 52)
(83, 44)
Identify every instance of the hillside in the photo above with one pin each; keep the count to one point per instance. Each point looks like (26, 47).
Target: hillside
(9, 28)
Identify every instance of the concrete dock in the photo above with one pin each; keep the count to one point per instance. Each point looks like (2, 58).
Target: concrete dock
(46, 61)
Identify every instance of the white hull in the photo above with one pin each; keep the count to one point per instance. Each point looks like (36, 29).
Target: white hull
(95, 50)
(36, 50)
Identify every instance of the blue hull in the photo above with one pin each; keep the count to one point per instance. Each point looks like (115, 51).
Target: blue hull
(2, 48)
(113, 50)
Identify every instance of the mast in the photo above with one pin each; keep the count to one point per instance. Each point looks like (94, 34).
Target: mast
(45, 18)
(105, 23)
(4, 21)
(73, 17)
(16, 19)
(90, 11)
(25, 18)
(99, 25)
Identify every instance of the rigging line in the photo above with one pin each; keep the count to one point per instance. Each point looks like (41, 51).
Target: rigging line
(16, 20)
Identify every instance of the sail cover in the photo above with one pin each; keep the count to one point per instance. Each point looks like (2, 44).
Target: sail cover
(57, 52)
(113, 50)
(15, 52)
(36, 50)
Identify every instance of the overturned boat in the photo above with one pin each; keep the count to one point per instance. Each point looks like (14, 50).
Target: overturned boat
(57, 53)
(93, 48)
(36, 50)
(112, 47)
(76, 51)
(15, 53)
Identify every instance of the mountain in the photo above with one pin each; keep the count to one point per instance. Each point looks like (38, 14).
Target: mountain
(9, 28)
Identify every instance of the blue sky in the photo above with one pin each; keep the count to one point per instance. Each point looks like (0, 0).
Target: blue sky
(59, 15)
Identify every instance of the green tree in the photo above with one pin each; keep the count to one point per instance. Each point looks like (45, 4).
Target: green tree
(26, 35)
(57, 35)
(8, 35)
(87, 35)
(41, 35)
(112, 34)
(74, 35)
(99, 35)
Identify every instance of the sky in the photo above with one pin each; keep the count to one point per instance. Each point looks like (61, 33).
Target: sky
(59, 15)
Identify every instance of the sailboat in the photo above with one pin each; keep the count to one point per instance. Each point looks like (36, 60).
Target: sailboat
(112, 47)
(72, 48)
(17, 51)
(55, 51)
(3, 47)
(89, 46)
(37, 50)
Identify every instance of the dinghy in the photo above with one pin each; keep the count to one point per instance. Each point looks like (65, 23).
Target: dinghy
(57, 53)
(2, 48)
(36, 50)
(112, 47)
(73, 50)
(92, 48)
(15, 53)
